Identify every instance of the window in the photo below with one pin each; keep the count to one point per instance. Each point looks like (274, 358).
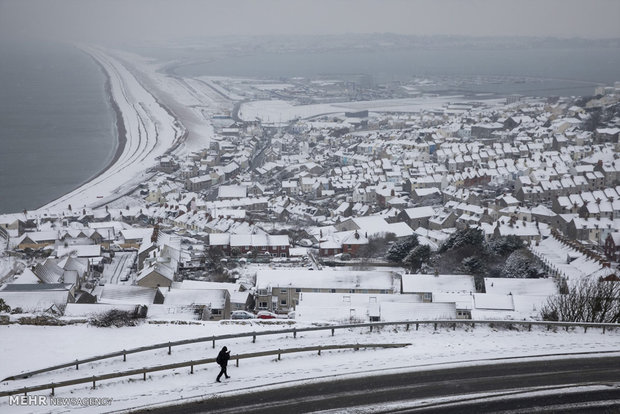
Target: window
(428, 297)
(298, 290)
(316, 290)
(262, 305)
(282, 290)
(332, 290)
(283, 302)
(282, 254)
(216, 311)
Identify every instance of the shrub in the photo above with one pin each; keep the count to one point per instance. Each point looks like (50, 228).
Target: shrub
(116, 317)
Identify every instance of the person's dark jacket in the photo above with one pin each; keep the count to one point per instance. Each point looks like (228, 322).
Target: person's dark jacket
(223, 357)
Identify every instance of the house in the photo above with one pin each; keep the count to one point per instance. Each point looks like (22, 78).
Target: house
(278, 289)
(417, 216)
(362, 307)
(207, 304)
(38, 297)
(157, 275)
(240, 244)
(612, 246)
(240, 297)
(37, 239)
(133, 295)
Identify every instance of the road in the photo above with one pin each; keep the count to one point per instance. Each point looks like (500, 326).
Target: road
(426, 391)
(113, 272)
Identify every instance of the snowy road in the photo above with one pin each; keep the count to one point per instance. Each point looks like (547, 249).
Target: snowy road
(581, 383)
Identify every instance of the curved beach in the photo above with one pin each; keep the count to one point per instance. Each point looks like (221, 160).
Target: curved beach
(146, 130)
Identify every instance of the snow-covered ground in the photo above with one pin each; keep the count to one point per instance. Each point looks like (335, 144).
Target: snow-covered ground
(278, 111)
(32, 347)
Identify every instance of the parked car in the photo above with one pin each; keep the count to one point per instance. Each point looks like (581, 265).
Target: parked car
(266, 315)
(241, 314)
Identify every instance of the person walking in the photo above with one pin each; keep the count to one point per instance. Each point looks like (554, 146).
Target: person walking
(222, 361)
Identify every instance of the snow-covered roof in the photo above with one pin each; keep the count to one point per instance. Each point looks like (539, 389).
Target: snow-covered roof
(418, 283)
(515, 286)
(324, 279)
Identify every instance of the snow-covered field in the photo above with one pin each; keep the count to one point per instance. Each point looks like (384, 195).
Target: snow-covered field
(31, 347)
(278, 111)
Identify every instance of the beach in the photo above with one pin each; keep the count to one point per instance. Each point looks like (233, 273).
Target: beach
(145, 129)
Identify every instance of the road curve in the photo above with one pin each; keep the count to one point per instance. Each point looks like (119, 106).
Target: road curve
(562, 385)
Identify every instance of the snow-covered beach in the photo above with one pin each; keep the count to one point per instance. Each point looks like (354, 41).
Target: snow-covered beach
(146, 131)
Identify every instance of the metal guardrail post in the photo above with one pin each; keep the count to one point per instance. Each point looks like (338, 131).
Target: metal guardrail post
(94, 382)
(77, 365)
(319, 350)
(435, 326)
(144, 375)
(279, 355)
(294, 332)
(237, 361)
(254, 338)
(333, 331)
(52, 388)
(192, 369)
(169, 348)
(417, 325)
(213, 341)
(124, 356)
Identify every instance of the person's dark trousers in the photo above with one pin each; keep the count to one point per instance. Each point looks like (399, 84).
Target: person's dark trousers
(222, 371)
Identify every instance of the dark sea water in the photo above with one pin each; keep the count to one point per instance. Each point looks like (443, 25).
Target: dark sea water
(56, 125)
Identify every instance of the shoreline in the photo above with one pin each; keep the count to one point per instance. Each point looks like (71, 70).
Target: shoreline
(145, 130)
(121, 131)
(119, 124)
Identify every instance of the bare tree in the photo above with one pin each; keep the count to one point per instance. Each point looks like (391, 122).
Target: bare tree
(587, 301)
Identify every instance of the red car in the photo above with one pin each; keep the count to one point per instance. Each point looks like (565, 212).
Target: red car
(266, 315)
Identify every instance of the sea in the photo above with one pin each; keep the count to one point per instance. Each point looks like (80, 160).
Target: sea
(57, 128)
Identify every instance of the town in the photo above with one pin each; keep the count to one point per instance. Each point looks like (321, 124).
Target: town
(302, 208)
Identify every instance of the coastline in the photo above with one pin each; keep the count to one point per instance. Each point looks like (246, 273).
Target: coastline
(145, 129)
(121, 132)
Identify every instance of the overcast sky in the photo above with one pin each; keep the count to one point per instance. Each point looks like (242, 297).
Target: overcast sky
(95, 20)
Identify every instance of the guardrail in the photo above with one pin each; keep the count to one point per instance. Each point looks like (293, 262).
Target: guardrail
(450, 322)
(143, 371)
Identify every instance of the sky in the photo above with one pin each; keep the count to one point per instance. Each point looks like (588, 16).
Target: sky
(159, 20)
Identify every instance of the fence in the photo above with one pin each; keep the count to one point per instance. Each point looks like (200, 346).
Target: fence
(191, 364)
(371, 325)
